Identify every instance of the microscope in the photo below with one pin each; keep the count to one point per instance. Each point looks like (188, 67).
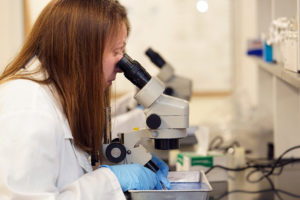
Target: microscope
(167, 119)
(176, 86)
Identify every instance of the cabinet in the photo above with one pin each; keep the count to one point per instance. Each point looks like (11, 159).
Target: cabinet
(269, 87)
(279, 93)
(279, 89)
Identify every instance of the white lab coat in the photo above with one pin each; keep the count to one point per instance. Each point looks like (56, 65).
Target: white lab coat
(38, 159)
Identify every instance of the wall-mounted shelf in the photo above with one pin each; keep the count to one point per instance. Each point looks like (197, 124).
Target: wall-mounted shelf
(277, 70)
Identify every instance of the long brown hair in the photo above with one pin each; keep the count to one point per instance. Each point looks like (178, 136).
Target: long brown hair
(69, 38)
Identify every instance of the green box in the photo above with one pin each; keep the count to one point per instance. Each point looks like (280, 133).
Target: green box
(190, 161)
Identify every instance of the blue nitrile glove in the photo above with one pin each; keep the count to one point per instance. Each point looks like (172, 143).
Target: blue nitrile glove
(163, 171)
(140, 107)
(135, 177)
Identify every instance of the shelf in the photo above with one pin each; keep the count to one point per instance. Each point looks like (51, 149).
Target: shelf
(290, 77)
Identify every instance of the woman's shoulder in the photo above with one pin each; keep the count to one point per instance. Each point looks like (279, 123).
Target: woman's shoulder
(25, 94)
(19, 88)
(18, 84)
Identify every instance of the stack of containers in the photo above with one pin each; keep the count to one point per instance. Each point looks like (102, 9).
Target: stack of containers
(283, 38)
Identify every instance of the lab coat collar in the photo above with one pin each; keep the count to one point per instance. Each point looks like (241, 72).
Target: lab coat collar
(34, 66)
(83, 159)
(67, 131)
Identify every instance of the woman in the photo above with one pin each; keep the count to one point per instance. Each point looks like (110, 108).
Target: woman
(52, 100)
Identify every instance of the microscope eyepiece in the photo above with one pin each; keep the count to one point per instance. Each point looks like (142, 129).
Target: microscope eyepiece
(133, 71)
(155, 58)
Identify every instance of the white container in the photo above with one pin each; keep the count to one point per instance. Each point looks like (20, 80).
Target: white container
(277, 53)
(289, 49)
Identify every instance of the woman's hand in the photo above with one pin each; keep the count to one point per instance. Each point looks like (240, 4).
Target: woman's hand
(163, 171)
(135, 177)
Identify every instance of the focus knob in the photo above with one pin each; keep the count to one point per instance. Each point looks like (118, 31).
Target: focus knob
(115, 152)
(153, 121)
(169, 91)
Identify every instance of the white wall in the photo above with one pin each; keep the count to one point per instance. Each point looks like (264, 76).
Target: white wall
(197, 45)
(35, 7)
(11, 31)
(245, 70)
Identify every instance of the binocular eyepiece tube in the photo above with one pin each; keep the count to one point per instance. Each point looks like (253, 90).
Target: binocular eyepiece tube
(155, 58)
(134, 71)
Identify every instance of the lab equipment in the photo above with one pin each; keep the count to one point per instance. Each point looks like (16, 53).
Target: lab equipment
(135, 177)
(167, 119)
(255, 47)
(268, 53)
(176, 86)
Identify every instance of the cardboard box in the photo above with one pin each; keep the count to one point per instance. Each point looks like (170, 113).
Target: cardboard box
(189, 161)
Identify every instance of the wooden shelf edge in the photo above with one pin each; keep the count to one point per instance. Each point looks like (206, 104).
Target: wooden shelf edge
(277, 70)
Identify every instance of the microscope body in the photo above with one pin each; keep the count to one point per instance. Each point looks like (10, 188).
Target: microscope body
(167, 119)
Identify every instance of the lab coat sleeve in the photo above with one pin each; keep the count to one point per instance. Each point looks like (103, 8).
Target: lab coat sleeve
(29, 164)
(84, 188)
